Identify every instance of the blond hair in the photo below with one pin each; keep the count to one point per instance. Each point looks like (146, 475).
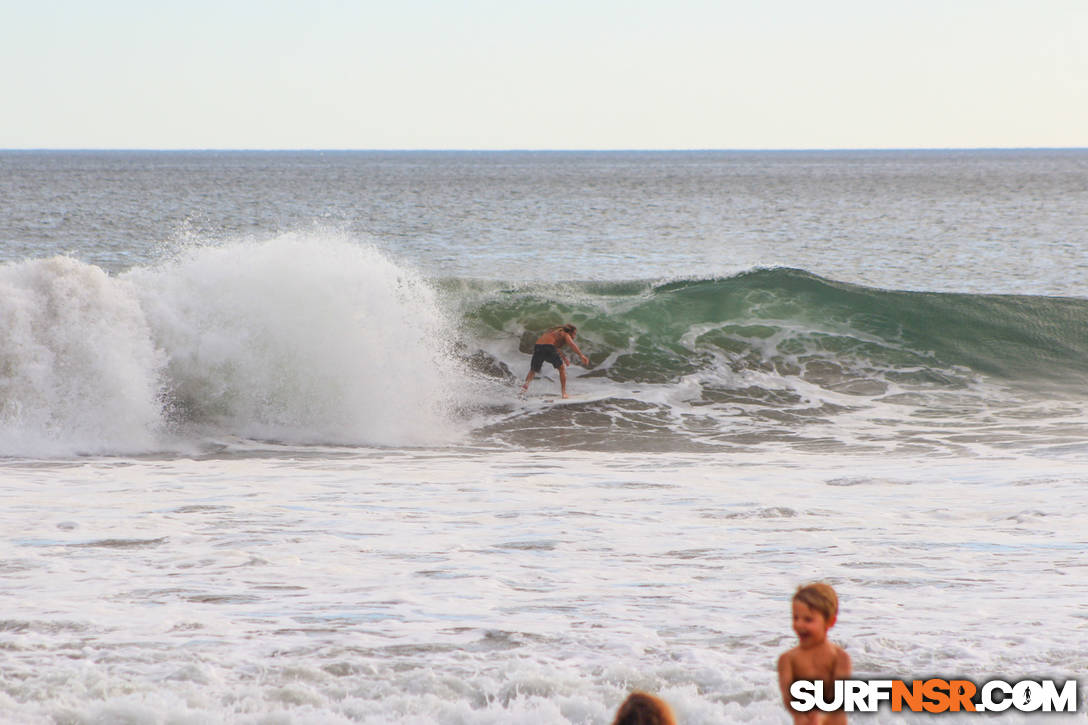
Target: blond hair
(819, 597)
(641, 708)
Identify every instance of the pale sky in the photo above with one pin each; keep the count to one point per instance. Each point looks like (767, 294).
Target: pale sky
(528, 74)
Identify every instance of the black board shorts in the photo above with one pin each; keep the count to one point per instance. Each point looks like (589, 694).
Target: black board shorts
(543, 354)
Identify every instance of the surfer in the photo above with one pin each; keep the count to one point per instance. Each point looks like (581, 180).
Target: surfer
(547, 349)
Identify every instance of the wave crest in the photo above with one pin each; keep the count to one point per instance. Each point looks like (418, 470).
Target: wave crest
(78, 369)
(299, 339)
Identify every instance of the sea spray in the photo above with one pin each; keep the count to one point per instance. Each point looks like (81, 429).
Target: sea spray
(296, 339)
(316, 338)
(78, 369)
(302, 339)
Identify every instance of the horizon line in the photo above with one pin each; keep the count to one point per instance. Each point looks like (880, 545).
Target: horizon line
(783, 149)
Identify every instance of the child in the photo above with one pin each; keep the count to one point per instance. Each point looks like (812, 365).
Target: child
(815, 609)
(642, 709)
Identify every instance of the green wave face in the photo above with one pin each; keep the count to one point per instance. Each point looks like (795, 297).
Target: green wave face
(792, 323)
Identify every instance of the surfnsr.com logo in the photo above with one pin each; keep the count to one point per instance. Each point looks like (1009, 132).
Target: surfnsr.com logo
(936, 695)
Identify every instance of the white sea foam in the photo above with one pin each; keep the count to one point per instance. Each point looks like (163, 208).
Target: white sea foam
(428, 588)
(299, 338)
(78, 369)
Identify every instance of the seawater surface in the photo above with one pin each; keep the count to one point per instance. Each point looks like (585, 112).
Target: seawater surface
(379, 586)
(264, 459)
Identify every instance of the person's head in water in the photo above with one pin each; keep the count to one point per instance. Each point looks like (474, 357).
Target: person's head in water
(642, 709)
(567, 328)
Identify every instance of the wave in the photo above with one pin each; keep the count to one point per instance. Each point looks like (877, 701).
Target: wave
(311, 339)
(796, 323)
(782, 357)
(295, 339)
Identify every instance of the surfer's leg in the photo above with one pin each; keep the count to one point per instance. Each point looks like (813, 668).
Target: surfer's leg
(539, 354)
(563, 379)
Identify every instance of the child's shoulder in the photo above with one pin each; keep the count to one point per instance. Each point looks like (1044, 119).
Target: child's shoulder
(788, 657)
(842, 662)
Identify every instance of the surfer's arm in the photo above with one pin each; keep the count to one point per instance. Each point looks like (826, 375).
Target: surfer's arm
(574, 346)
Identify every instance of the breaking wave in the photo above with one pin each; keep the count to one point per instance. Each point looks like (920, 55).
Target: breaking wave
(306, 339)
(294, 339)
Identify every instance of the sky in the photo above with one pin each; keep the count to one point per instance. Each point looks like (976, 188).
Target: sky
(528, 74)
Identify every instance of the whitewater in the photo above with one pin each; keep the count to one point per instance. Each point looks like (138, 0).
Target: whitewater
(263, 457)
(287, 340)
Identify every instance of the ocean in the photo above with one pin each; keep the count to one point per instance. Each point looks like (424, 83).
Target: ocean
(264, 458)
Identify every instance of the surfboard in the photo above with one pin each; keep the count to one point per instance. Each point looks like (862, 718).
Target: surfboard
(535, 402)
(557, 399)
